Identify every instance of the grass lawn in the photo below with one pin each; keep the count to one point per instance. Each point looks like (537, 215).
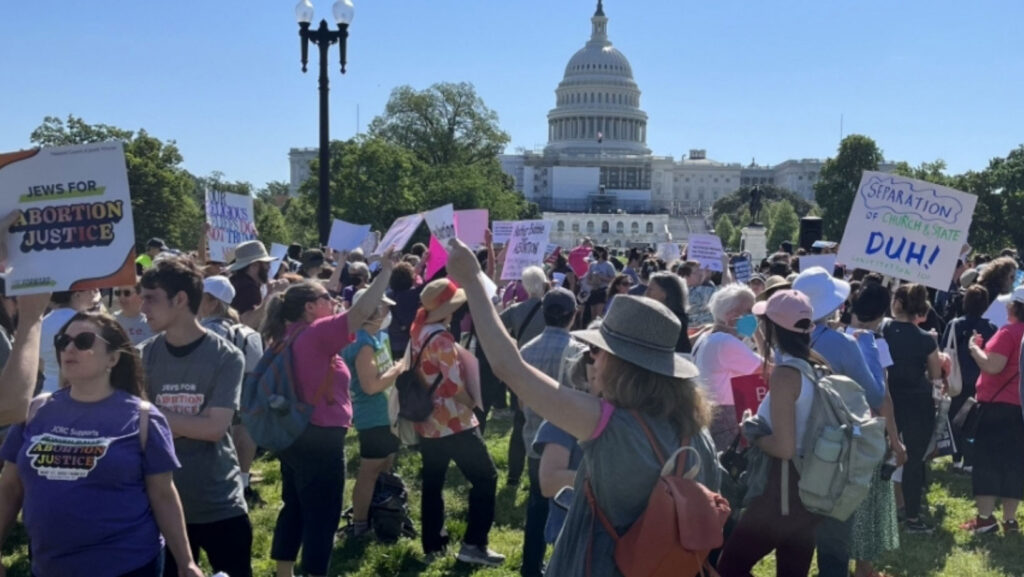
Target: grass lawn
(947, 552)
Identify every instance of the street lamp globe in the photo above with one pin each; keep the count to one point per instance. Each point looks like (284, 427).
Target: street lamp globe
(344, 12)
(304, 12)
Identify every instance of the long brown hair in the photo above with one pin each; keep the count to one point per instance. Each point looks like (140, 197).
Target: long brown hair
(127, 374)
(633, 387)
(287, 307)
(792, 343)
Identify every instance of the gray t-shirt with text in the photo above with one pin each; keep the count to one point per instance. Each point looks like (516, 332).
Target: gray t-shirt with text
(209, 480)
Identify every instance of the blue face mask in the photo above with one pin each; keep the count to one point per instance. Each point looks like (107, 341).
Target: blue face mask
(746, 325)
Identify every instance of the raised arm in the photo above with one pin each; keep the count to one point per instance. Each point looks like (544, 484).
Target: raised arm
(575, 412)
(366, 306)
(18, 379)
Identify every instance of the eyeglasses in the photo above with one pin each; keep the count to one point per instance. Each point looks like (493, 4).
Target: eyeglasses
(124, 293)
(82, 341)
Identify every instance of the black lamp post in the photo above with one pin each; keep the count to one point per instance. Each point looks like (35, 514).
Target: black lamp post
(324, 37)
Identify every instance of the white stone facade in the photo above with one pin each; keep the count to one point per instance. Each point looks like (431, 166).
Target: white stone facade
(611, 230)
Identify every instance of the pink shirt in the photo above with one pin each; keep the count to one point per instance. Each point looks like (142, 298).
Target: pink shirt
(314, 353)
(1002, 387)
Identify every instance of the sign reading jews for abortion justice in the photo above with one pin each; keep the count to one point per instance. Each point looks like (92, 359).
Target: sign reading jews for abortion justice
(75, 230)
(906, 228)
(526, 247)
(232, 222)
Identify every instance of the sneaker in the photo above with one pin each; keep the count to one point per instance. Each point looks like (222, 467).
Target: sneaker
(979, 525)
(917, 526)
(477, 555)
(968, 469)
(253, 498)
(1011, 526)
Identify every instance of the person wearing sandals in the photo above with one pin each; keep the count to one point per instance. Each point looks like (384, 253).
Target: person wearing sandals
(645, 385)
(92, 467)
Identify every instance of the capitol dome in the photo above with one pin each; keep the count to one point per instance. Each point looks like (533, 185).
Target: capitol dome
(597, 105)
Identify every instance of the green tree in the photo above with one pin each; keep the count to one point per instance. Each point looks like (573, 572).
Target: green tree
(1000, 191)
(785, 224)
(163, 202)
(732, 203)
(839, 179)
(446, 124)
(725, 231)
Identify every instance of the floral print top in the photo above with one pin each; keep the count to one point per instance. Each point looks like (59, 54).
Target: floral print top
(450, 416)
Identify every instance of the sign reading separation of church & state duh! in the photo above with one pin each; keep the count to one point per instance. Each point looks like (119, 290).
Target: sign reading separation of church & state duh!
(75, 230)
(906, 228)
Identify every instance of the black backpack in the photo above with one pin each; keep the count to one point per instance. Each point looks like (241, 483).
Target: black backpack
(415, 399)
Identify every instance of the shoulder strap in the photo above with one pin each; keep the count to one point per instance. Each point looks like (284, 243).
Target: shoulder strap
(430, 337)
(144, 407)
(650, 437)
(526, 323)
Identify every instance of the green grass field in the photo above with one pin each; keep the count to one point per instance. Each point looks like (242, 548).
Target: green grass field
(947, 552)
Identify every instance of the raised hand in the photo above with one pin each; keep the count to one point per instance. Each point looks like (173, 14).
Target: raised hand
(462, 264)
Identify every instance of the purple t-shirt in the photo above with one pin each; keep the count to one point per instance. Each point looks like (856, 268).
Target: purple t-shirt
(83, 471)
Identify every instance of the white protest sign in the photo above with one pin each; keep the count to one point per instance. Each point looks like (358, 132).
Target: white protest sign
(706, 249)
(76, 229)
(471, 226)
(825, 261)
(369, 243)
(399, 234)
(501, 231)
(278, 251)
(558, 277)
(526, 247)
(231, 222)
(906, 228)
(668, 251)
(441, 222)
(742, 270)
(346, 236)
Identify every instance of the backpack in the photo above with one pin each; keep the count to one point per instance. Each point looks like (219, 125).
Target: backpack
(682, 523)
(389, 511)
(843, 446)
(269, 407)
(415, 399)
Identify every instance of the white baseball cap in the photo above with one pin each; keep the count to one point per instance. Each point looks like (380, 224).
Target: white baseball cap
(219, 287)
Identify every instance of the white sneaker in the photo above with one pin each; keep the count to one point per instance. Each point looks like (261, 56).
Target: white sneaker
(480, 556)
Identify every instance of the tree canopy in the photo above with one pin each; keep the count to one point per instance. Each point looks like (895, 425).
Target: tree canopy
(839, 178)
(732, 203)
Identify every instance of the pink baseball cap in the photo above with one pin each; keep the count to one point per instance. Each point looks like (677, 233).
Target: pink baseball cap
(789, 309)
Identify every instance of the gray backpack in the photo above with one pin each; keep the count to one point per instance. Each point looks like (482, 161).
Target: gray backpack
(843, 446)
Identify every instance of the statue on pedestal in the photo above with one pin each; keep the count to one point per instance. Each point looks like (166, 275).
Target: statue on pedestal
(755, 205)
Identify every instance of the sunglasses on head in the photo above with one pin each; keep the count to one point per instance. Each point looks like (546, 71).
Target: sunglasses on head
(124, 292)
(82, 341)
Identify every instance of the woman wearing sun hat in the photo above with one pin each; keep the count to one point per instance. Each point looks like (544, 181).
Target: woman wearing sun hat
(644, 384)
(785, 324)
(452, 430)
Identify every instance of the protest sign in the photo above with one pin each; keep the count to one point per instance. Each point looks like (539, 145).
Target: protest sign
(747, 393)
(558, 277)
(279, 252)
(346, 236)
(906, 228)
(825, 261)
(706, 249)
(75, 230)
(232, 222)
(501, 231)
(437, 258)
(369, 243)
(441, 222)
(741, 270)
(471, 226)
(668, 251)
(399, 234)
(526, 247)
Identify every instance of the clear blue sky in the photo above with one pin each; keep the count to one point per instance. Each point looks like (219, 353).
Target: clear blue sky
(765, 80)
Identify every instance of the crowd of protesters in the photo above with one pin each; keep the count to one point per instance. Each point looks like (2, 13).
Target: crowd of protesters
(130, 396)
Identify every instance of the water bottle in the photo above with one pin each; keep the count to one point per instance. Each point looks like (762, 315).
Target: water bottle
(278, 403)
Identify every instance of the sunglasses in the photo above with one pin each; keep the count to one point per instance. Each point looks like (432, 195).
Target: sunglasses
(591, 353)
(82, 341)
(124, 293)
